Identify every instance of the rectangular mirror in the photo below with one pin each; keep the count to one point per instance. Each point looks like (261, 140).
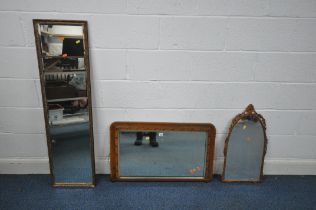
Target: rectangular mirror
(63, 60)
(162, 151)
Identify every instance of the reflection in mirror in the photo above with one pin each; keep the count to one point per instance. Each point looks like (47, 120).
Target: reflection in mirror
(66, 64)
(64, 72)
(61, 40)
(61, 85)
(157, 153)
(71, 151)
(245, 147)
(149, 153)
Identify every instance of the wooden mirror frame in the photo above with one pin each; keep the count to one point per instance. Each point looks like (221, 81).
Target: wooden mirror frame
(249, 112)
(84, 24)
(116, 127)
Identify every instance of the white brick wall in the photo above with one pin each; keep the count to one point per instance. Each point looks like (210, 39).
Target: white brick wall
(189, 60)
(198, 33)
(271, 34)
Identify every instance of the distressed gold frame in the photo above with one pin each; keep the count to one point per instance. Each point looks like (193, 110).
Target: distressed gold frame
(116, 127)
(84, 24)
(249, 112)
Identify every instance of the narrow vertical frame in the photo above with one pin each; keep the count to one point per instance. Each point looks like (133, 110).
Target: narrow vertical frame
(84, 24)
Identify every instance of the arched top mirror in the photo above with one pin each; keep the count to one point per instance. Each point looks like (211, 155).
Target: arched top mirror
(245, 148)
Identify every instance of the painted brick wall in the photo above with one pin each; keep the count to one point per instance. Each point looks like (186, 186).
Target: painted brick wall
(170, 60)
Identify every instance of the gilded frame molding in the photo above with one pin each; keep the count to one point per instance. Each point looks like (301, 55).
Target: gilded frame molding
(116, 127)
(249, 112)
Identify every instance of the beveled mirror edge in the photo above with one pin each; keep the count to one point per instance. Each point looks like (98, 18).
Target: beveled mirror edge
(83, 23)
(249, 111)
(162, 126)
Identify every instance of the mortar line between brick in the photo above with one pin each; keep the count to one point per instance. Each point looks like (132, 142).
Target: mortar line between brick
(179, 50)
(158, 15)
(174, 109)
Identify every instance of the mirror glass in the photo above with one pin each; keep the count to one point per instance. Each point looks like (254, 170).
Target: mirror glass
(162, 153)
(245, 150)
(64, 79)
(61, 40)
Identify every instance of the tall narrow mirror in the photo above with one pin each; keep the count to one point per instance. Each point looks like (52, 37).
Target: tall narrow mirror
(162, 151)
(245, 148)
(63, 60)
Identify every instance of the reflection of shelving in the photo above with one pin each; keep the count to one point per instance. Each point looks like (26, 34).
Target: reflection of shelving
(71, 119)
(62, 35)
(63, 70)
(60, 56)
(76, 114)
(64, 64)
(66, 99)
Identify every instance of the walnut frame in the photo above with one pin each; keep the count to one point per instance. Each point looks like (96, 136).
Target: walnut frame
(116, 127)
(84, 24)
(249, 112)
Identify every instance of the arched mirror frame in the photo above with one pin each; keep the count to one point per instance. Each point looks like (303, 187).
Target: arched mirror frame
(84, 24)
(249, 112)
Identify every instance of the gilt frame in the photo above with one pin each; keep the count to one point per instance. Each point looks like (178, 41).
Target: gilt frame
(249, 112)
(116, 127)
